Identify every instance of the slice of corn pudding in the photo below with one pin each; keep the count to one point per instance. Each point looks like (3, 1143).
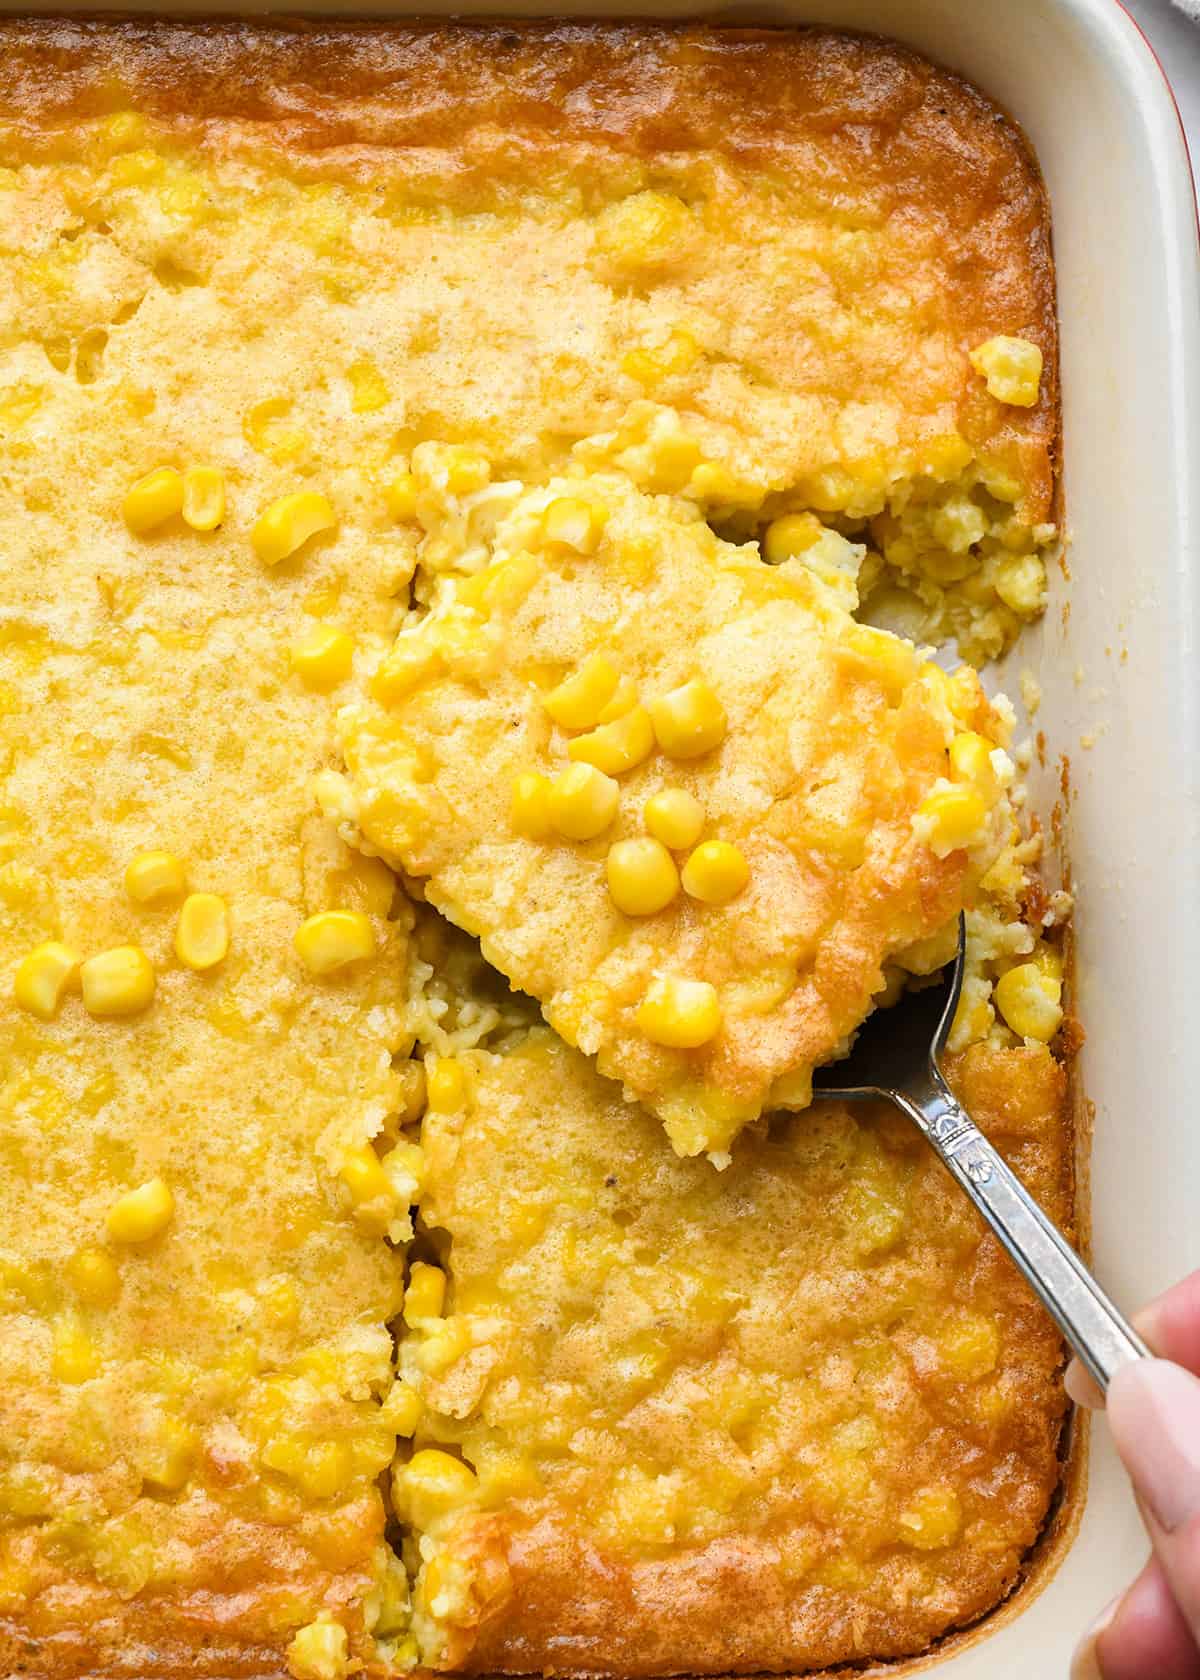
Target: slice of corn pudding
(613, 654)
(798, 1414)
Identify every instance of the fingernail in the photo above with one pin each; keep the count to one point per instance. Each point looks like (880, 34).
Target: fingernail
(1082, 1388)
(1085, 1664)
(1154, 1413)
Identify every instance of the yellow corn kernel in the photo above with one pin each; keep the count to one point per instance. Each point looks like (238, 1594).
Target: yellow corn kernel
(1030, 1001)
(1012, 368)
(790, 535)
(438, 1584)
(365, 1178)
(288, 524)
(932, 1519)
(425, 1295)
(202, 932)
(401, 496)
(674, 457)
(93, 1276)
(689, 721)
(333, 939)
(715, 872)
(404, 667)
(368, 388)
(74, 1359)
(44, 978)
(959, 693)
(971, 761)
(117, 982)
(583, 802)
(153, 500)
(402, 1409)
(950, 818)
(155, 878)
(319, 1651)
(466, 469)
(644, 230)
(502, 586)
(166, 1461)
(624, 699)
(890, 660)
(681, 1014)
(1021, 584)
(531, 805)
(203, 498)
(642, 877)
(580, 698)
(574, 523)
(141, 1214)
(322, 657)
(712, 482)
(1049, 959)
(649, 366)
(616, 747)
(443, 1346)
(675, 817)
(445, 1085)
(431, 1485)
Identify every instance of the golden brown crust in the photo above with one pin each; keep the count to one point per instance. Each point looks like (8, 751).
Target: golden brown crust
(922, 147)
(573, 1599)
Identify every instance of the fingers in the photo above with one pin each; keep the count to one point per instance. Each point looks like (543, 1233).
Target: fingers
(1082, 1388)
(1171, 1325)
(1154, 1414)
(1142, 1633)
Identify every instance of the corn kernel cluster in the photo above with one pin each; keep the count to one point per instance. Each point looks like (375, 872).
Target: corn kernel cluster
(121, 981)
(614, 732)
(197, 494)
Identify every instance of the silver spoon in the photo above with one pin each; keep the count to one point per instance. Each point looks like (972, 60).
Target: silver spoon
(896, 1057)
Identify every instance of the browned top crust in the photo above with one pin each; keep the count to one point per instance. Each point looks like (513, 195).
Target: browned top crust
(813, 104)
(559, 1593)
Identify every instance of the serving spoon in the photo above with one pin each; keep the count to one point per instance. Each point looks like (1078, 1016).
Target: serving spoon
(896, 1056)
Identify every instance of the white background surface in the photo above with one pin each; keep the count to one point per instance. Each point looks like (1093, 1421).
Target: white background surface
(1176, 40)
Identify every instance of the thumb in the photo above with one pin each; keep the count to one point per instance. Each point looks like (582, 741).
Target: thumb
(1154, 1414)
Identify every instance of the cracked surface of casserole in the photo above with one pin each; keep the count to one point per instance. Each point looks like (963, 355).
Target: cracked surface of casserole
(743, 276)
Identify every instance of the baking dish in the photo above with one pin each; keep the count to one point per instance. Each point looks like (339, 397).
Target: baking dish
(1117, 671)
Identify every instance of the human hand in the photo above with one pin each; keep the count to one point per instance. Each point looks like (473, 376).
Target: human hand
(1152, 1631)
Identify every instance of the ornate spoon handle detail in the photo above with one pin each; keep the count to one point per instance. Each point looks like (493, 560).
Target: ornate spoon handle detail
(1097, 1332)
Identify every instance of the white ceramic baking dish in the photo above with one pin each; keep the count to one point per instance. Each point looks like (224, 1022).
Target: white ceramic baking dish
(1117, 657)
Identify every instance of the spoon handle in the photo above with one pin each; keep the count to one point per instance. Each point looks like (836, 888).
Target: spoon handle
(1096, 1331)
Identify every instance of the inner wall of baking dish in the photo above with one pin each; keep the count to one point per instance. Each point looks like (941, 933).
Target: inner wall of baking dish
(1119, 649)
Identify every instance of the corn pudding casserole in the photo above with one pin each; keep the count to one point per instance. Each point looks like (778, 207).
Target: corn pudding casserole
(500, 765)
(503, 481)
